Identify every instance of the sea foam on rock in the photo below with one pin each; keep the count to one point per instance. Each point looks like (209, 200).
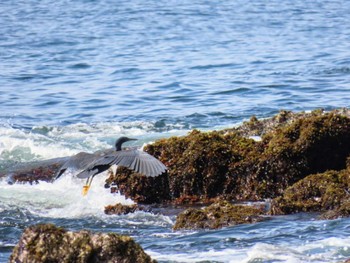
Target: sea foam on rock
(48, 243)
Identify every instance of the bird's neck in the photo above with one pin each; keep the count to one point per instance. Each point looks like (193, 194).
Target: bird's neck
(118, 147)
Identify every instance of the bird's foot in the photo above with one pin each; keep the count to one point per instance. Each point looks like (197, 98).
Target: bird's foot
(85, 189)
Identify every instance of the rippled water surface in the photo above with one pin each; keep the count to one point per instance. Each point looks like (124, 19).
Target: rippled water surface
(201, 62)
(74, 75)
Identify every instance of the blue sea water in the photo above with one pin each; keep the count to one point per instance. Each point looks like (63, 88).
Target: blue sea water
(201, 62)
(74, 75)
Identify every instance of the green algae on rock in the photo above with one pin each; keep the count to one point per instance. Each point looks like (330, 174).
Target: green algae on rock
(218, 215)
(48, 243)
(260, 127)
(140, 188)
(310, 145)
(328, 191)
(342, 211)
(198, 166)
(224, 164)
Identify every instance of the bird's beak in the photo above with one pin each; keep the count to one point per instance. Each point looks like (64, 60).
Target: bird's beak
(132, 139)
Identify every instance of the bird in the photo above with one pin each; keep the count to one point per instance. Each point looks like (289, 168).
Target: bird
(92, 164)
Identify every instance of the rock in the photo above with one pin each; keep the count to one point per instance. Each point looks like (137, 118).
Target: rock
(227, 165)
(119, 209)
(205, 166)
(198, 167)
(261, 127)
(139, 188)
(340, 212)
(218, 215)
(317, 193)
(256, 127)
(33, 172)
(48, 243)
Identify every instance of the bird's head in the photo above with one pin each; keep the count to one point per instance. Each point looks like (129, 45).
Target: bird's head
(121, 140)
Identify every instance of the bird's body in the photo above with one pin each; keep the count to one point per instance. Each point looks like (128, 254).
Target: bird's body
(139, 161)
(89, 165)
(78, 162)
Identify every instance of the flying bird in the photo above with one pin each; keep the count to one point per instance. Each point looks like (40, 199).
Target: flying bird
(92, 164)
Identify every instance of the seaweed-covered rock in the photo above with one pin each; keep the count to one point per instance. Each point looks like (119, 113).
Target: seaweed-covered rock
(342, 211)
(316, 192)
(48, 243)
(311, 145)
(119, 209)
(260, 127)
(206, 165)
(218, 215)
(140, 188)
(198, 165)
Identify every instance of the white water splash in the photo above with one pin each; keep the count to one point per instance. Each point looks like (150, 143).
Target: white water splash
(21, 145)
(325, 250)
(42, 143)
(61, 199)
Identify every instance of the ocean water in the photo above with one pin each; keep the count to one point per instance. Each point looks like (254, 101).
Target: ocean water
(74, 75)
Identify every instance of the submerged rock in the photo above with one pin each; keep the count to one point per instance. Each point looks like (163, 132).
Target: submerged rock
(48, 243)
(218, 215)
(119, 209)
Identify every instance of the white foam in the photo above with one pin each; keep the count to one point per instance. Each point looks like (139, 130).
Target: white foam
(266, 252)
(256, 138)
(26, 146)
(41, 143)
(325, 250)
(226, 255)
(61, 199)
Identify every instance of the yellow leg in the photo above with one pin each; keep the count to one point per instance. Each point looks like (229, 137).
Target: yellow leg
(87, 185)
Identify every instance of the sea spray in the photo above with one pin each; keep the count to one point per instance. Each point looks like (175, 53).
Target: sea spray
(62, 198)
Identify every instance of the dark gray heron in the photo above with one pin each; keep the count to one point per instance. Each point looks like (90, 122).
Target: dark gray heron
(92, 164)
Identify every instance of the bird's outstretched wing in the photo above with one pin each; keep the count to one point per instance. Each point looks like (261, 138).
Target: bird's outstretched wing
(76, 162)
(139, 161)
(81, 160)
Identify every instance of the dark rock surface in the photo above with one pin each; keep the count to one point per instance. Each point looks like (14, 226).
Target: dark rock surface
(119, 209)
(218, 215)
(326, 192)
(48, 243)
(227, 165)
(33, 172)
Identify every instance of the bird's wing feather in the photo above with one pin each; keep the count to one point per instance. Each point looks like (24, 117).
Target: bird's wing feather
(136, 160)
(140, 162)
(97, 166)
(144, 163)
